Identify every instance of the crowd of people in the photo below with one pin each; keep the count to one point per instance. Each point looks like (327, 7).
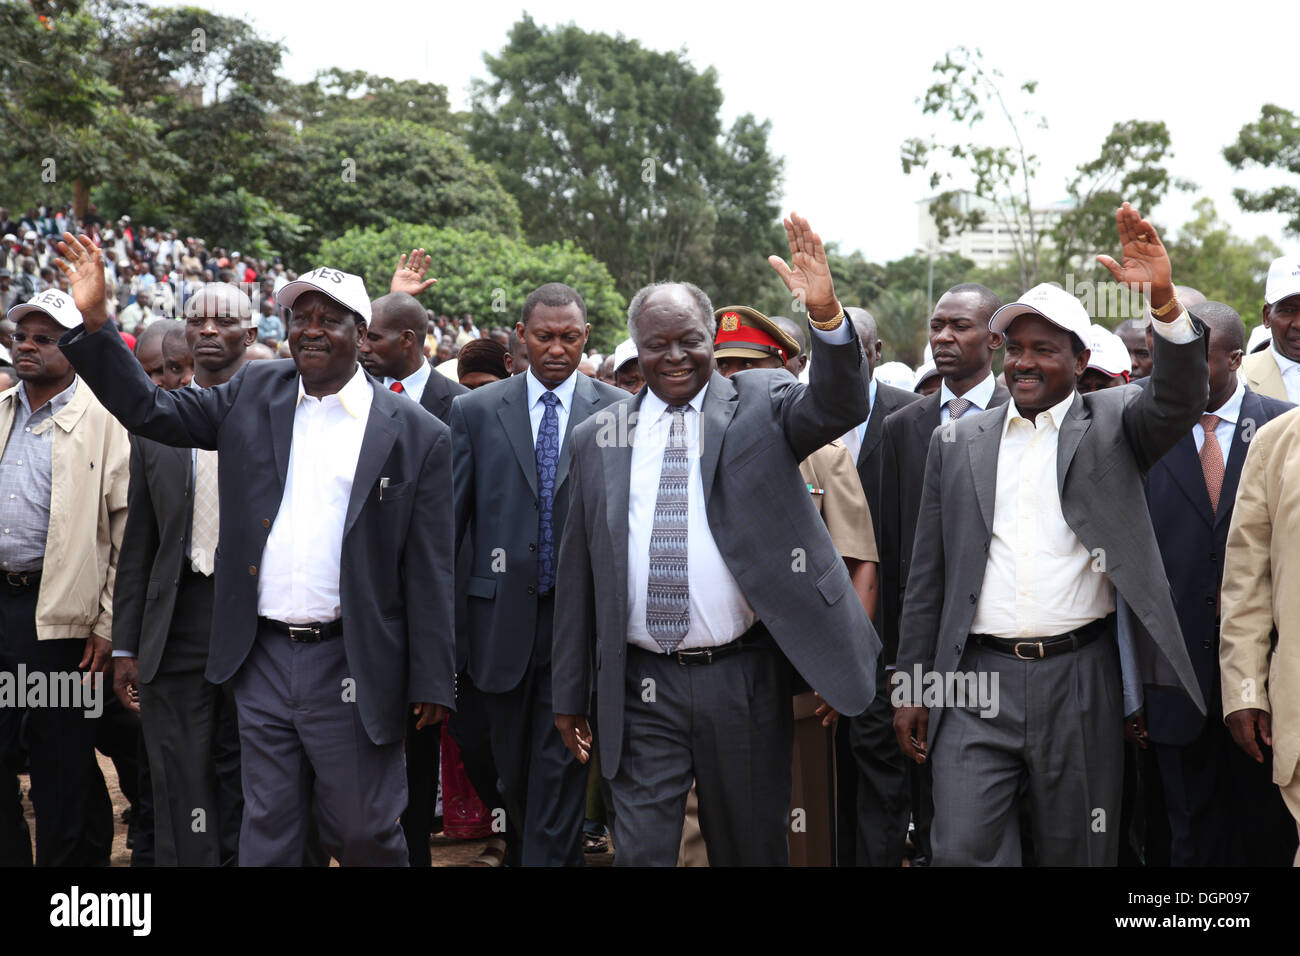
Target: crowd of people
(739, 593)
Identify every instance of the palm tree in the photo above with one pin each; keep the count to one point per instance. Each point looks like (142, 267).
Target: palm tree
(902, 320)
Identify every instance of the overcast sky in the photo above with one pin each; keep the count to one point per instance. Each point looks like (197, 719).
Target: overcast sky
(840, 82)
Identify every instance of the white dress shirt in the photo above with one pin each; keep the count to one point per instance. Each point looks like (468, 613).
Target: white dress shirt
(719, 611)
(413, 384)
(853, 440)
(298, 582)
(537, 407)
(1229, 412)
(1290, 374)
(979, 397)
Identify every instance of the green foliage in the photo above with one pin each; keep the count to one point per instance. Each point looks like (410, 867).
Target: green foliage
(903, 323)
(621, 149)
(1273, 142)
(336, 94)
(487, 275)
(1226, 268)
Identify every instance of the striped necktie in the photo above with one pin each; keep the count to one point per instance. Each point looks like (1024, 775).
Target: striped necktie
(668, 599)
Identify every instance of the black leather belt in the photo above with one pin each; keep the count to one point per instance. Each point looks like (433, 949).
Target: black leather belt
(1044, 647)
(19, 580)
(312, 633)
(757, 636)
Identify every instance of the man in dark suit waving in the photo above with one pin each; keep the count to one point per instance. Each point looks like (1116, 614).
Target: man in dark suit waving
(1033, 519)
(686, 587)
(512, 443)
(332, 574)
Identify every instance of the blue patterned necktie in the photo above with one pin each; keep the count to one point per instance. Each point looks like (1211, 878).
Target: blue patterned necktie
(547, 452)
(668, 597)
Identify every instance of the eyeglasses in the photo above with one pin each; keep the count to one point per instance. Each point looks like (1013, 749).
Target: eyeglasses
(21, 337)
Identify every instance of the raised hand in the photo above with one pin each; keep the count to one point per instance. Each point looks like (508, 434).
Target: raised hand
(807, 276)
(83, 264)
(409, 275)
(1146, 263)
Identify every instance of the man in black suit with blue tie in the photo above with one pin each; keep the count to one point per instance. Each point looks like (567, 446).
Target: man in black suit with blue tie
(511, 446)
(333, 598)
(1223, 807)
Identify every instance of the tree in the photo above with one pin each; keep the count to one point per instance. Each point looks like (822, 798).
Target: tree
(61, 113)
(336, 94)
(1226, 268)
(966, 91)
(903, 324)
(1129, 168)
(1272, 142)
(485, 274)
(621, 148)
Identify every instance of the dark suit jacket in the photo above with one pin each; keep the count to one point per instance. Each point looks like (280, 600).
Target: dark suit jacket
(870, 458)
(1108, 442)
(438, 393)
(496, 506)
(154, 551)
(755, 429)
(396, 563)
(1192, 540)
(902, 452)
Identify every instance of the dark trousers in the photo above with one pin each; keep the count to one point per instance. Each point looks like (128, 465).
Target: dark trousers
(119, 738)
(192, 735)
(729, 726)
(883, 785)
(470, 729)
(74, 816)
(545, 787)
(423, 755)
(293, 724)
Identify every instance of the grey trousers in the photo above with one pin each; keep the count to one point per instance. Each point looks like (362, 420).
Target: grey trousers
(1058, 727)
(729, 727)
(294, 723)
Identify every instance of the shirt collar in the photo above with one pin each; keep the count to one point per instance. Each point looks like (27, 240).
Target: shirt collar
(871, 396)
(55, 403)
(416, 379)
(1284, 364)
(1056, 413)
(1230, 410)
(979, 396)
(563, 391)
(653, 407)
(355, 397)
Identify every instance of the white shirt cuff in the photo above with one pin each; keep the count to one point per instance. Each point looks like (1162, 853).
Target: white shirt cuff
(117, 653)
(1180, 331)
(842, 335)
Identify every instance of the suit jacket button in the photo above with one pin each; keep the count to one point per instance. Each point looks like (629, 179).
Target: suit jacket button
(252, 569)
(266, 522)
(531, 589)
(1207, 644)
(957, 648)
(532, 547)
(1209, 599)
(973, 599)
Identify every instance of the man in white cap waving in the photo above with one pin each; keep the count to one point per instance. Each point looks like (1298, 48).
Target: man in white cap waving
(333, 591)
(1033, 519)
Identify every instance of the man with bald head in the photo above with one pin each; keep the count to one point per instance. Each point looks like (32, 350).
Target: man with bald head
(1188, 297)
(392, 350)
(163, 601)
(148, 351)
(1222, 806)
(1133, 333)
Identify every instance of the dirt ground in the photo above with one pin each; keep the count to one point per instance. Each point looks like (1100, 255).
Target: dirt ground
(445, 851)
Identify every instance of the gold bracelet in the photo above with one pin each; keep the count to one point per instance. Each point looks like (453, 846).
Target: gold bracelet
(830, 325)
(1166, 308)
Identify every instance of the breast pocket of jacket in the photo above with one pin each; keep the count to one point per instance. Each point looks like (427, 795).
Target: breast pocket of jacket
(394, 490)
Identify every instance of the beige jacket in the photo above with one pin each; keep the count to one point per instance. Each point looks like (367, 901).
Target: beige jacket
(1261, 590)
(1262, 375)
(90, 465)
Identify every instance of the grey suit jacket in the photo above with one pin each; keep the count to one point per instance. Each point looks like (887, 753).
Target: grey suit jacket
(755, 429)
(1109, 440)
(494, 472)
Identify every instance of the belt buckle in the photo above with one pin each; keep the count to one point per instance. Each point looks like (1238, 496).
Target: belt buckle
(304, 629)
(686, 658)
(1016, 650)
(16, 579)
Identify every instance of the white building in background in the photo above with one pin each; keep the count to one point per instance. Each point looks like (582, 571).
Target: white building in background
(992, 242)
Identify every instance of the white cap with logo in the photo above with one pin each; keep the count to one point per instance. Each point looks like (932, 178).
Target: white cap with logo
(624, 353)
(344, 288)
(1109, 353)
(1051, 302)
(57, 305)
(1283, 279)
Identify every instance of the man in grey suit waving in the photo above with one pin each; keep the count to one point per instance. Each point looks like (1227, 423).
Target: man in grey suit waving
(1033, 520)
(688, 586)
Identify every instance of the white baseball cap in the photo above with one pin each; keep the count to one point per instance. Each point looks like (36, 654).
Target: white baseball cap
(924, 374)
(1109, 353)
(57, 305)
(1258, 336)
(1051, 302)
(897, 374)
(343, 287)
(624, 353)
(1283, 279)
